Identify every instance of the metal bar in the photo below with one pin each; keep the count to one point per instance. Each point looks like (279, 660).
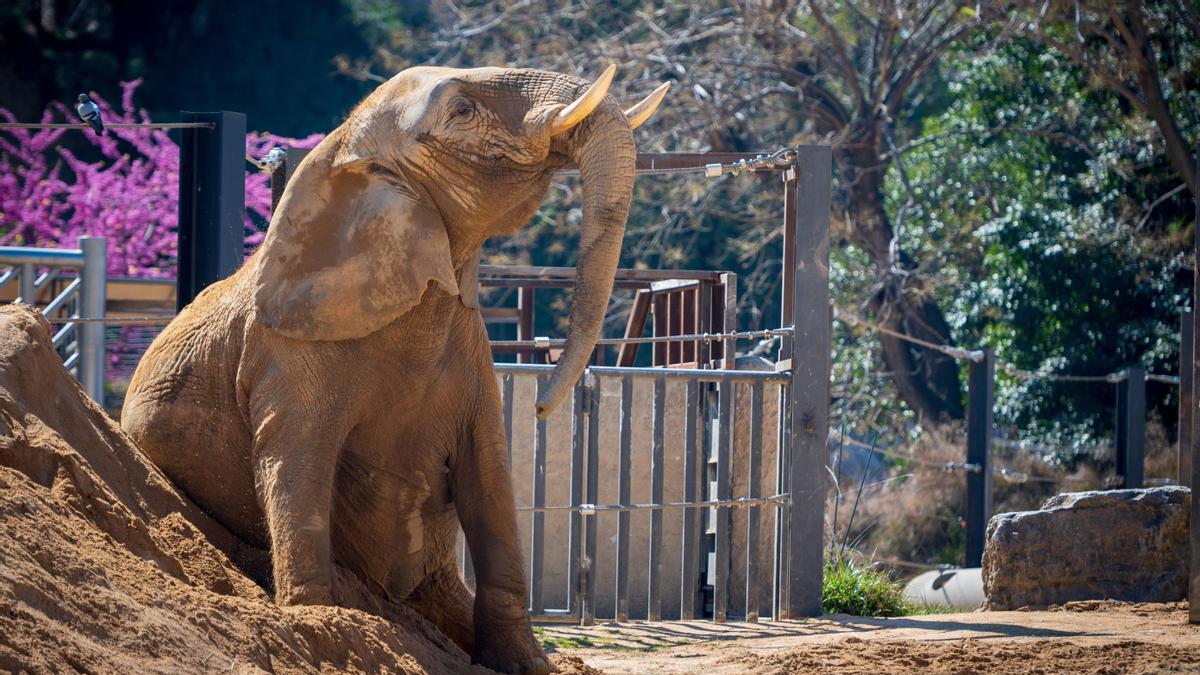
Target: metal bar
(779, 563)
(623, 498)
(537, 558)
(623, 274)
(729, 320)
(704, 324)
(689, 323)
(1187, 400)
(731, 503)
(574, 545)
(83, 127)
(1131, 426)
(507, 388)
(92, 297)
(654, 592)
(1194, 531)
(660, 330)
(61, 336)
(6, 277)
(530, 282)
(674, 304)
(809, 394)
(212, 202)
(685, 374)
(525, 321)
(634, 327)
(25, 285)
(593, 485)
(41, 257)
(726, 392)
(62, 298)
(753, 491)
(788, 272)
(693, 459)
(980, 402)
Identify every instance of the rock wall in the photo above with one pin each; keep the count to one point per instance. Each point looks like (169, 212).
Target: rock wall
(1119, 544)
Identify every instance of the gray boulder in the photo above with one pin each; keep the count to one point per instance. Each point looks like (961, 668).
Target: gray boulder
(1119, 544)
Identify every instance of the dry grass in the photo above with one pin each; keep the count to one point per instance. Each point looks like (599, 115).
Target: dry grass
(916, 514)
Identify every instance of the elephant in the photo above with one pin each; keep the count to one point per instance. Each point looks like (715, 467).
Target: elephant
(334, 400)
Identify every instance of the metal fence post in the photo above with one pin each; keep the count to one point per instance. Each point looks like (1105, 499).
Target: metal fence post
(25, 284)
(1131, 426)
(1187, 400)
(1194, 530)
(93, 292)
(809, 397)
(212, 202)
(980, 400)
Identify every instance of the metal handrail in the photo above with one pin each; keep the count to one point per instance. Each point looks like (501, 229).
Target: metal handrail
(45, 257)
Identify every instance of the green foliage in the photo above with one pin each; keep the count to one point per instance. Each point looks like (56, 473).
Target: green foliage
(857, 590)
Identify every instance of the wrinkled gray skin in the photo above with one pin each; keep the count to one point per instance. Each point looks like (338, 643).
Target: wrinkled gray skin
(335, 399)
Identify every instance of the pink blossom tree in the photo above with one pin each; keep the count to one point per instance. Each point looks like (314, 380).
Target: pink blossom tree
(49, 196)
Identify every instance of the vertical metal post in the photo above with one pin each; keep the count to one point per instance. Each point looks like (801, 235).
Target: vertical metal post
(729, 321)
(283, 173)
(980, 401)
(654, 592)
(809, 394)
(93, 292)
(538, 529)
(1187, 400)
(1131, 426)
(574, 544)
(779, 566)
(212, 202)
(588, 616)
(623, 498)
(789, 260)
(507, 389)
(1194, 529)
(727, 391)
(753, 492)
(25, 286)
(525, 323)
(693, 463)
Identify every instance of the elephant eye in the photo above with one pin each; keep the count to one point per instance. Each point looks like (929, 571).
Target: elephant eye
(461, 107)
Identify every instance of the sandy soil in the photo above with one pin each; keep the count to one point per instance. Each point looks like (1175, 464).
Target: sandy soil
(1087, 637)
(105, 567)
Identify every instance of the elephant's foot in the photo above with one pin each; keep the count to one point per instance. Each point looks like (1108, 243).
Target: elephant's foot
(510, 650)
(504, 640)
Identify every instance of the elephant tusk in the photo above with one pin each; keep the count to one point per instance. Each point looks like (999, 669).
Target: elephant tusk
(583, 106)
(641, 112)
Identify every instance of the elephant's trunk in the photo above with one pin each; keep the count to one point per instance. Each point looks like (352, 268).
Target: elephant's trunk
(602, 147)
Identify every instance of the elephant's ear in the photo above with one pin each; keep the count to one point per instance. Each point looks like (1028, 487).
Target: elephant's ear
(349, 251)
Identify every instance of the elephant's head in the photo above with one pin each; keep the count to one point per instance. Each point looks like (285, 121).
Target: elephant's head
(431, 164)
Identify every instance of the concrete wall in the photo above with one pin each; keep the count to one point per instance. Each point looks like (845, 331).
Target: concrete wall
(558, 476)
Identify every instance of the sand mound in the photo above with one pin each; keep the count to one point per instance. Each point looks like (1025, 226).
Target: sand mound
(104, 566)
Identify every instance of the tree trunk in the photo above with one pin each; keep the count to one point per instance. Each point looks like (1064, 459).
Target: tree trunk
(926, 380)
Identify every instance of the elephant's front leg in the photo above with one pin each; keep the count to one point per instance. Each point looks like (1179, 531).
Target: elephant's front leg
(504, 639)
(295, 463)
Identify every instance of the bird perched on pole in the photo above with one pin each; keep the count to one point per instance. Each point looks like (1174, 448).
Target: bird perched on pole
(89, 112)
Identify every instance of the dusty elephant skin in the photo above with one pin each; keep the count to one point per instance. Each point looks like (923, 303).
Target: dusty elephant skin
(1120, 544)
(335, 400)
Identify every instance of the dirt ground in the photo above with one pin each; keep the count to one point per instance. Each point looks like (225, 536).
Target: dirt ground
(1082, 637)
(105, 567)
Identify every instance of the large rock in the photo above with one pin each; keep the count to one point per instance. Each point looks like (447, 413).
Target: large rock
(1120, 544)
